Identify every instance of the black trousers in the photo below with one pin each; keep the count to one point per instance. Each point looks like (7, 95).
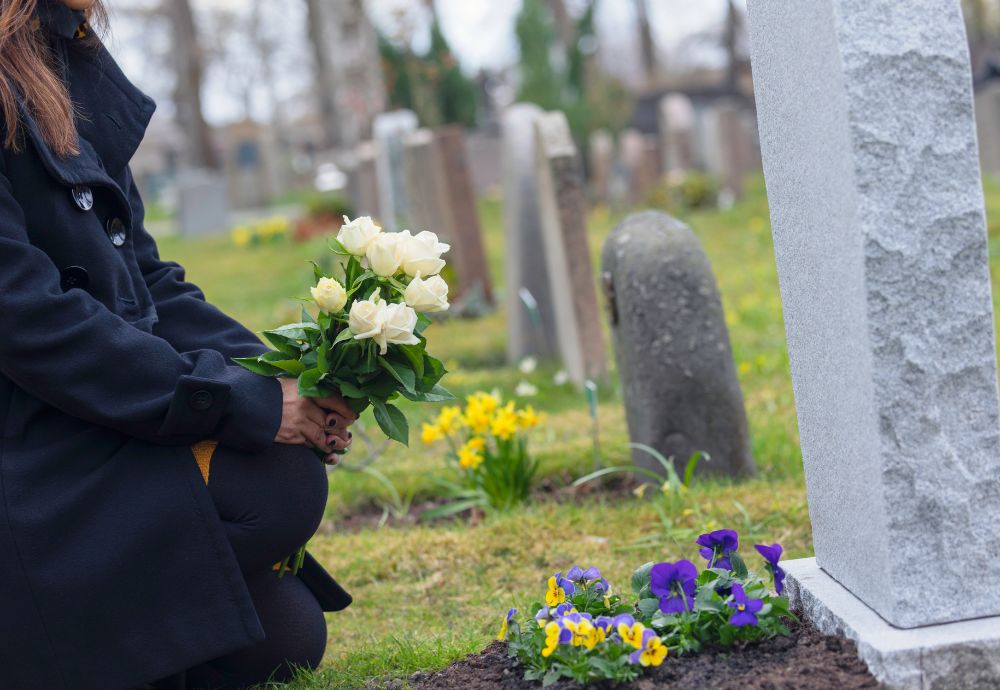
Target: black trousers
(270, 504)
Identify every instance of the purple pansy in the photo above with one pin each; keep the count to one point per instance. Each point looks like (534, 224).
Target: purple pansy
(605, 623)
(542, 615)
(772, 554)
(674, 584)
(717, 547)
(746, 609)
(566, 583)
(575, 573)
(510, 614)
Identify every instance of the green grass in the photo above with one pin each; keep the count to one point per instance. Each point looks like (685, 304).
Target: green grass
(429, 594)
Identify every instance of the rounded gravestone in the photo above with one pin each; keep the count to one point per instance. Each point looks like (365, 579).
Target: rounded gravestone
(672, 347)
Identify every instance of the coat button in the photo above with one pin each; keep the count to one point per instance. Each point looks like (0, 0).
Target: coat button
(84, 197)
(74, 277)
(117, 232)
(202, 400)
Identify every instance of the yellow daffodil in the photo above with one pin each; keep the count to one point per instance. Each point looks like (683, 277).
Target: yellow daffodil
(632, 635)
(242, 236)
(505, 423)
(556, 594)
(476, 443)
(528, 418)
(450, 419)
(468, 458)
(431, 433)
(640, 491)
(654, 653)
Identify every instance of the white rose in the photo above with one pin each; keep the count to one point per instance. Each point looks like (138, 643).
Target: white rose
(357, 234)
(422, 254)
(400, 321)
(329, 295)
(367, 318)
(384, 254)
(429, 295)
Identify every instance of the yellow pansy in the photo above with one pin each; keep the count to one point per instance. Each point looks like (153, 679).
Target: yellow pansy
(502, 635)
(552, 633)
(654, 653)
(556, 594)
(469, 458)
(528, 418)
(450, 419)
(431, 433)
(505, 423)
(632, 635)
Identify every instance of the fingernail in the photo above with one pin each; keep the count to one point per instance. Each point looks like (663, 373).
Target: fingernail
(332, 423)
(350, 434)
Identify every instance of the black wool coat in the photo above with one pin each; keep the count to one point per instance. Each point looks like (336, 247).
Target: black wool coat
(114, 566)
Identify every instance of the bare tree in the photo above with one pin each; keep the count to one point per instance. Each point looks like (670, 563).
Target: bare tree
(731, 38)
(326, 91)
(650, 63)
(189, 64)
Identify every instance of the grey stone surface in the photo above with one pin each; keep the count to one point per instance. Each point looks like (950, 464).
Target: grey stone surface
(676, 120)
(735, 146)
(474, 282)
(363, 181)
(425, 185)
(389, 129)
(672, 347)
(563, 207)
(202, 203)
(869, 147)
(529, 332)
(950, 656)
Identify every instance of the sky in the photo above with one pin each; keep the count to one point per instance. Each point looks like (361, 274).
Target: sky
(481, 33)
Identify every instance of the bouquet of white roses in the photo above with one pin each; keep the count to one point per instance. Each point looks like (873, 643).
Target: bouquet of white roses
(366, 341)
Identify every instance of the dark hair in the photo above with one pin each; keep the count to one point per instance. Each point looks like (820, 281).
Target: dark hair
(27, 65)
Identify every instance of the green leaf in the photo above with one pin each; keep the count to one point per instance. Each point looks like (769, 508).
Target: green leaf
(295, 331)
(739, 567)
(292, 367)
(306, 316)
(344, 335)
(415, 355)
(392, 422)
(649, 606)
(257, 366)
(401, 373)
(451, 509)
(640, 577)
(692, 463)
(309, 383)
(349, 390)
(433, 371)
(423, 321)
(437, 394)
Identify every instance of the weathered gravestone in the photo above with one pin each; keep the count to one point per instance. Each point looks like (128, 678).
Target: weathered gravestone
(467, 237)
(389, 129)
(869, 148)
(425, 185)
(634, 155)
(601, 149)
(564, 231)
(363, 181)
(676, 120)
(682, 394)
(531, 329)
(202, 203)
(735, 147)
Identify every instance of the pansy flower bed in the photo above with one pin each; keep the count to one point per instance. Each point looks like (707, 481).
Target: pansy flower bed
(586, 632)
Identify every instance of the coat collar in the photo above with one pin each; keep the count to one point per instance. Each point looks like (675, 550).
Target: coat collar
(112, 115)
(59, 19)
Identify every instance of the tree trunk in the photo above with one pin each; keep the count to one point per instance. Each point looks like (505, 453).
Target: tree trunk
(325, 81)
(732, 53)
(189, 60)
(650, 63)
(564, 25)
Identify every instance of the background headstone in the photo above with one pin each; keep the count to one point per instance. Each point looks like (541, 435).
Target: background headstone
(676, 120)
(202, 203)
(363, 181)
(564, 230)
(530, 331)
(467, 233)
(735, 147)
(988, 125)
(676, 366)
(601, 152)
(425, 185)
(872, 171)
(389, 129)
(633, 156)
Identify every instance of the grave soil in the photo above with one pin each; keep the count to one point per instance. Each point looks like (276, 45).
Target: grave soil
(807, 660)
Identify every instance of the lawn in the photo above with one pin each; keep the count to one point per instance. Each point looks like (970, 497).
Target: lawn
(427, 594)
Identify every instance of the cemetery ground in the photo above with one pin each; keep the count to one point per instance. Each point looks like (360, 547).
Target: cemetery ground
(429, 593)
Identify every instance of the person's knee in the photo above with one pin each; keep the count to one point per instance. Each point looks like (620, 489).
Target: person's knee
(298, 491)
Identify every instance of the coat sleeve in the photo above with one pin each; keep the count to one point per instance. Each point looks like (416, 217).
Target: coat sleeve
(185, 319)
(70, 351)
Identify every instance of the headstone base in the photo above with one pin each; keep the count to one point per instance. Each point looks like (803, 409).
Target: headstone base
(952, 655)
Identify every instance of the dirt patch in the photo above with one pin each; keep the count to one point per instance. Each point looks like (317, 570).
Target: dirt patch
(808, 660)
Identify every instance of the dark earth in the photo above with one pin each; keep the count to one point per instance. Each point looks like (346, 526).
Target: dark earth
(808, 660)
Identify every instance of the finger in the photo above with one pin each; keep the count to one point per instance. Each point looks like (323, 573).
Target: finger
(337, 404)
(336, 421)
(340, 441)
(334, 459)
(315, 414)
(317, 437)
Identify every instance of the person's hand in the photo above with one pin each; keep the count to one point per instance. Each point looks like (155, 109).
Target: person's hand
(303, 422)
(338, 436)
